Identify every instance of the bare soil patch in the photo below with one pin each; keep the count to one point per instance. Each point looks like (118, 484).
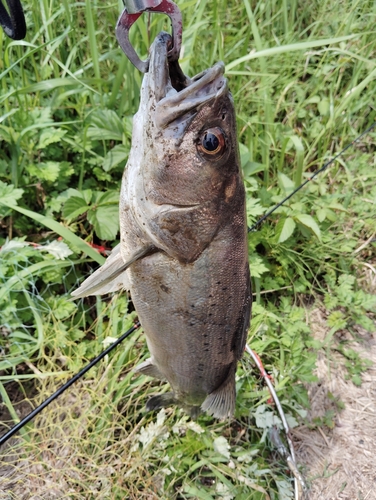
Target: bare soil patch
(339, 462)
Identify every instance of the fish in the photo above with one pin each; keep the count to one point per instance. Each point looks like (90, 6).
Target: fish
(183, 252)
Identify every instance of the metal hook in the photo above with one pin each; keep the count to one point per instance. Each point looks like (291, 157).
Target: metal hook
(13, 24)
(132, 11)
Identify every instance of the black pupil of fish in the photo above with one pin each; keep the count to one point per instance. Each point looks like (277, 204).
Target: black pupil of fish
(210, 142)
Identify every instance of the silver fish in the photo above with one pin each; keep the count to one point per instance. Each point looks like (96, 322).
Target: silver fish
(183, 250)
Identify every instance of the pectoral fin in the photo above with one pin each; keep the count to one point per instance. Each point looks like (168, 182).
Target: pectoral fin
(111, 276)
(221, 402)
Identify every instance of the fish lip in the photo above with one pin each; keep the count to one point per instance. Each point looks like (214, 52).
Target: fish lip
(176, 94)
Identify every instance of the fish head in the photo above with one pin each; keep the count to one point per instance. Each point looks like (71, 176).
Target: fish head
(185, 133)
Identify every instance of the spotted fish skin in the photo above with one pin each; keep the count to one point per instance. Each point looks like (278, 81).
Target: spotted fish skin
(183, 250)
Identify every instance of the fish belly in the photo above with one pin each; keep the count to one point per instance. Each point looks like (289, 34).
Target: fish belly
(193, 315)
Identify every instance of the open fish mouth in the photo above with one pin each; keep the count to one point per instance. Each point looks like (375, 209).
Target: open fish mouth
(177, 96)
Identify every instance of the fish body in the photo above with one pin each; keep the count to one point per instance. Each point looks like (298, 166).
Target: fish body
(183, 250)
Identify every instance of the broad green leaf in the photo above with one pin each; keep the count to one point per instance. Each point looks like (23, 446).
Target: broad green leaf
(86, 194)
(330, 215)
(323, 107)
(118, 154)
(310, 223)
(105, 220)
(257, 267)
(107, 198)
(76, 334)
(61, 306)
(291, 420)
(337, 206)
(252, 167)
(297, 142)
(48, 171)
(105, 125)
(297, 207)
(315, 99)
(254, 208)
(49, 136)
(357, 380)
(244, 154)
(9, 194)
(284, 229)
(321, 214)
(285, 182)
(197, 493)
(337, 320)
(74, 207)
(265, 418)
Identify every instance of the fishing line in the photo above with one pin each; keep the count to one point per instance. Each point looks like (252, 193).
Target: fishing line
(299, 482)
(64, 387)
(324, 167)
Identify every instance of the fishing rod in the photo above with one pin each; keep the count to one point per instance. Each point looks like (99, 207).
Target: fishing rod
(13, 23)
(64, 387)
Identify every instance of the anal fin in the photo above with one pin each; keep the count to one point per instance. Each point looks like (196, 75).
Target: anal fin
(221, 402)
(111, 276)
(147, 368)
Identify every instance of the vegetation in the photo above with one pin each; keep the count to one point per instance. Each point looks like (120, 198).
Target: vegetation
(303, 80)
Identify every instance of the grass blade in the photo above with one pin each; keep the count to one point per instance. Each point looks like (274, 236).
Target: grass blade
(283, 49)
(61, 230)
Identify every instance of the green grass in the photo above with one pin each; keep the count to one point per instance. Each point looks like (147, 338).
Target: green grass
(303, 80)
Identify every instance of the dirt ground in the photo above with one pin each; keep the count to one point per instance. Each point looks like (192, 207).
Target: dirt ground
(339, 462)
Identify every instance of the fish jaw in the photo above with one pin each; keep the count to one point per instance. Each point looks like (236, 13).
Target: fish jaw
(171, 96)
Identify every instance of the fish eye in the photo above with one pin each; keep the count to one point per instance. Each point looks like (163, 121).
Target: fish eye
(212, 143)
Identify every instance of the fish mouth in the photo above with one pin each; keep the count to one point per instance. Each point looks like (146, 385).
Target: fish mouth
(177, 97)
